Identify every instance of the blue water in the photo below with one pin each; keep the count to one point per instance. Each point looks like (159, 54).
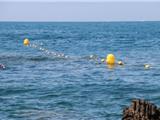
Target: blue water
(39, 85)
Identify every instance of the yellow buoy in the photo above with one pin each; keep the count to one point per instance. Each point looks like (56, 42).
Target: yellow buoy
(26, 42)
(110, 59)
(120, 63)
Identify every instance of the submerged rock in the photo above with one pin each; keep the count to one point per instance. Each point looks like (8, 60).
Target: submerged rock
(141, 110)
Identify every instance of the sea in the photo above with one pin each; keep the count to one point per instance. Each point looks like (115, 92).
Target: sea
(60, 75)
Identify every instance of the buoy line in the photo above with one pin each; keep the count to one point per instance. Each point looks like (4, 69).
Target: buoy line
(110, 59)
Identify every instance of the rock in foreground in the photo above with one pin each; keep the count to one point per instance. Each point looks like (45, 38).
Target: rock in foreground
(141, 110)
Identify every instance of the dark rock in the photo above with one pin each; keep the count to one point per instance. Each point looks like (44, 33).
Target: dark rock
(141, 110)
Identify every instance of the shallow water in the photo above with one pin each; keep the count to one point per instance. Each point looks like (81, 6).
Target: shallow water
(40, 85)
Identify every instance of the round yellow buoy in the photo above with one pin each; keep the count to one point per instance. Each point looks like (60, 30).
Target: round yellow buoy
(26, 42)
(120, 63)
(110, 59)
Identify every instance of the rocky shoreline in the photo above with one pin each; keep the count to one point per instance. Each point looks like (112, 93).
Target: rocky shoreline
(141, 110)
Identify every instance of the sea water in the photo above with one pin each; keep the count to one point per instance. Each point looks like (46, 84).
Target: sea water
(60, 75)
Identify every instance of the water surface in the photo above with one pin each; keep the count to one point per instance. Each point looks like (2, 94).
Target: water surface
(37, 85)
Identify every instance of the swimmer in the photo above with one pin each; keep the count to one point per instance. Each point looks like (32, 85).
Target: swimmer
(2, 66)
